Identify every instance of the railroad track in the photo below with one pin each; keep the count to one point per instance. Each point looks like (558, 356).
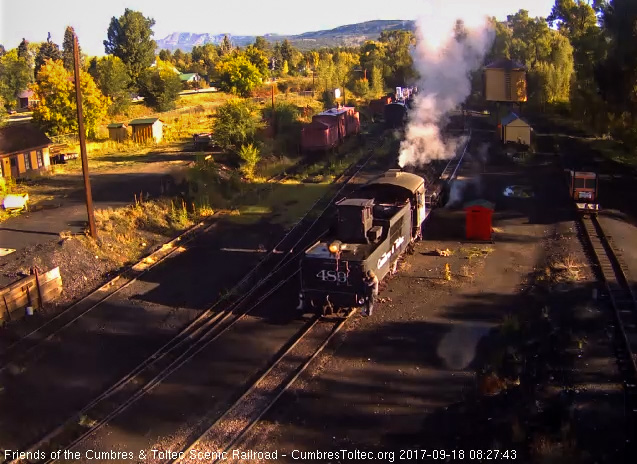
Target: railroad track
(612, 272)
(21, 350)
(451, 170)
(231, 428)
(208, 327)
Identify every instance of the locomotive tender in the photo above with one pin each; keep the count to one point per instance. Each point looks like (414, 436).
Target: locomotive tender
(374, 227)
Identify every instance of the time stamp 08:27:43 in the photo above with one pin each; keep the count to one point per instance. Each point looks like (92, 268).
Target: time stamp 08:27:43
(457, 454)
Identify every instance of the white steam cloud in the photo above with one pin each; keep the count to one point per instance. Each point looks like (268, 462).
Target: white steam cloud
(444, 65)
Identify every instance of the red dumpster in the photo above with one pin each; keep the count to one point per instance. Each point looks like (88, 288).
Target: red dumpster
(479, 215)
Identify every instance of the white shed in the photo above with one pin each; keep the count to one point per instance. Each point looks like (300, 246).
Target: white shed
(516, 130)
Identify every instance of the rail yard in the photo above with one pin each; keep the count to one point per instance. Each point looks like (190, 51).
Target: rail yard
(462, 288)
(185, 377)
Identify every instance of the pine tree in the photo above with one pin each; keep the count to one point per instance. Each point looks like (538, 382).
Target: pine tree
(23, 49)
(67, 48)
(226, 45)
(48, 51)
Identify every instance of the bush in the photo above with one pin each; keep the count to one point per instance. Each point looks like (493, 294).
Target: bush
(361, 88)
(250, 156)
(236, 124)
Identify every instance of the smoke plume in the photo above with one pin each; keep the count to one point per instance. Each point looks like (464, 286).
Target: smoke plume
(452, 39)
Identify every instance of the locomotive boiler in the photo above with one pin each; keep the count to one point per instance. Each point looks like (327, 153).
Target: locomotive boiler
(374, 227)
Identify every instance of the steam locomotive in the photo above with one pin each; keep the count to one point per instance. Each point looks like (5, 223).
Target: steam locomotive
(374, 227)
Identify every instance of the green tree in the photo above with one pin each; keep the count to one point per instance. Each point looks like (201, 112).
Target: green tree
(226, 46)
(166, 55)
(160, 87)
(129, 39)
(261, 43)
(238, 75)
(57, 111)
(617, 75)
(258, 58)
(113, 80)
(207, 57)
(48, 51)
(15, 76)
(67, 48)
(236, 123)
(377, 88)
(3, 111)
(23, 49)
(399, 68)
(250, 156)
(286, 51)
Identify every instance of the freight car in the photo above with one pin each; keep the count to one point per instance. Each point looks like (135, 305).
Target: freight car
(395, 115)
(330, 128)
(374, 226)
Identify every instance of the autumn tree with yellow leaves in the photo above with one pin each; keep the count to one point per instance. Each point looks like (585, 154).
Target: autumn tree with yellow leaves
(57, 111)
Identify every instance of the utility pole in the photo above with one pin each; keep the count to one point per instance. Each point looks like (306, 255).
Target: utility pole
(82, 134)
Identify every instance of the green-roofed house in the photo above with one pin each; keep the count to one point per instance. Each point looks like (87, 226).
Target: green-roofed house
(190, 80)
(118, 131)
(147, 129)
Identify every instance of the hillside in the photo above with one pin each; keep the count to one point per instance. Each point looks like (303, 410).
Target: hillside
(349, 35)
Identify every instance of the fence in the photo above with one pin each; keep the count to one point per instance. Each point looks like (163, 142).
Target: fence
(29, 292)
(283, 96)
(65, 139)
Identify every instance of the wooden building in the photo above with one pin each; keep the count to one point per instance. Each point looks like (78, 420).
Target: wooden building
(147, 129)
(515, 129)
(24, 150)
(118, 131)
(27, 99)
(505, 81)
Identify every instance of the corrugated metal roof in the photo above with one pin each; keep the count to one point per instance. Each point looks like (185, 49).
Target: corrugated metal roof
(135, 122)
(509, 118)
(399, 178)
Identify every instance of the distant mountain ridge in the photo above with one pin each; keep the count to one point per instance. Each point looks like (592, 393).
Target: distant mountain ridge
(348, 35)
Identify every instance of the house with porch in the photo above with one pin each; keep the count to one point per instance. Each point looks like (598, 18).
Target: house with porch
(24, 150)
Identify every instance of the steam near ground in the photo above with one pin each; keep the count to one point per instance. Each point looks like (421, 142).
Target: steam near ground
(444, 65)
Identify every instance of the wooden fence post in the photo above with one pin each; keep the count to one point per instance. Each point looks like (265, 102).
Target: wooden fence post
(37, 284)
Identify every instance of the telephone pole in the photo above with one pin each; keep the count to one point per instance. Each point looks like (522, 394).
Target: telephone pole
(82, 135)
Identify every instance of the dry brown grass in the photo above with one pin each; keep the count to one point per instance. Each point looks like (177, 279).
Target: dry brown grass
(125, 234)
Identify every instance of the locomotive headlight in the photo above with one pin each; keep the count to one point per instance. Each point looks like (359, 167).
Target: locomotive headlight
(334, 247)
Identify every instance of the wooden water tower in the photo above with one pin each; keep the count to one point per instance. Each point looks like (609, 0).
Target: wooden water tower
(505, 82)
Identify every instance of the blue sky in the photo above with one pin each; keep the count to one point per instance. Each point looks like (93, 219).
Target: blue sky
(32, 19)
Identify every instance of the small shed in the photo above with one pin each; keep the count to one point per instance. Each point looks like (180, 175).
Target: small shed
(147, 129)
(515, 129)
(479, 216)
(118, 131)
